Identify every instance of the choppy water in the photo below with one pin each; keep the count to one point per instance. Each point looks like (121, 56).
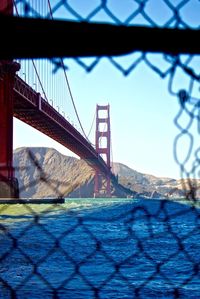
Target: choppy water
(100, 248)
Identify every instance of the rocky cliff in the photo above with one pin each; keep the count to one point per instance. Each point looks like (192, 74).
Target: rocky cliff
(44, 172)
(148, 185)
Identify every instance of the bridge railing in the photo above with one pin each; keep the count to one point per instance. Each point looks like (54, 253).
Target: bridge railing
(23, 89)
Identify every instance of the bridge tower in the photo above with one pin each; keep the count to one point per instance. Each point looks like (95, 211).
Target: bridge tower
(8, 183)
(102, 186)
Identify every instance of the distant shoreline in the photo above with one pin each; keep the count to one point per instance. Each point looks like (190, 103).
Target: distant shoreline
(32, 200)
(10, 201)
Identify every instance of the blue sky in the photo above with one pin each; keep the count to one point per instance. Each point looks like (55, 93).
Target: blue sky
(142, 110)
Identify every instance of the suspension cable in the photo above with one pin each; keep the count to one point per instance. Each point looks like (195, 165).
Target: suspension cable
(92, 124)
(67, 81)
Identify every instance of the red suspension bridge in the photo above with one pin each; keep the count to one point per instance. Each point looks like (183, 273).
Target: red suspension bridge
(19, 99)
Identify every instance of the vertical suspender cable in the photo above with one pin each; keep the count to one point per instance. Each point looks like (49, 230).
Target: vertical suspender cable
(67, 81)
(34, 65)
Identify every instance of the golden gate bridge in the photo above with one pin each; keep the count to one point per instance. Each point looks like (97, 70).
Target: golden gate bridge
(33, 106)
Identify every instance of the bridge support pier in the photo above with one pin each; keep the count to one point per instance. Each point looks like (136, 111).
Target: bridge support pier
(102, 186)
(8, 183)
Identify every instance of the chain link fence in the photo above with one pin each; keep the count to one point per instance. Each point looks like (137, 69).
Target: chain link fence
(130, 248)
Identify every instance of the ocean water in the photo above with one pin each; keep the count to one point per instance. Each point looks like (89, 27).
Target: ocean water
(100, 248)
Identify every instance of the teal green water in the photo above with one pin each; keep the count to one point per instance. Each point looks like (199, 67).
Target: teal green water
(71, 204)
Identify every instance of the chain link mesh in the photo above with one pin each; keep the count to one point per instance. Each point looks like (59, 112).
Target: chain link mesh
(151, 250)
